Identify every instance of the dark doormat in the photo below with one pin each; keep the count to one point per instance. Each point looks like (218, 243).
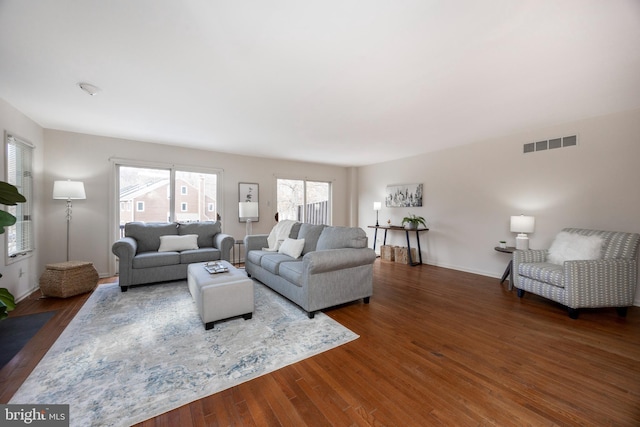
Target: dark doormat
(15, 333)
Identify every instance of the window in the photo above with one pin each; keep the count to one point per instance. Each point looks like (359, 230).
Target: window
(19, 237)
(165, 193)
(305, 201)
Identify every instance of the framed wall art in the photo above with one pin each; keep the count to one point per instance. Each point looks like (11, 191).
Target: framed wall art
(403, 195)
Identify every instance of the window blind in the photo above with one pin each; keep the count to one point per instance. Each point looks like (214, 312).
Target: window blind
(19, 237)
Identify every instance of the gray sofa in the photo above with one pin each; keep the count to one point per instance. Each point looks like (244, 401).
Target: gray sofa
(335, 267)
(141, 262)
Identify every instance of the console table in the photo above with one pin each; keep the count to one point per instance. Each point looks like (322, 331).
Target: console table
(406, 230)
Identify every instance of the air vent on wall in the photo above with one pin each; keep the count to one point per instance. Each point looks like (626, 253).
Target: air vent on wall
(550, 144)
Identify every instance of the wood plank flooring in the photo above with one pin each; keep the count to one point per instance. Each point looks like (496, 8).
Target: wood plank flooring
(436, 347)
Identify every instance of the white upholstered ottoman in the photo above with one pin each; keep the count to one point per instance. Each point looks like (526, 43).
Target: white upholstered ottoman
(222, 295)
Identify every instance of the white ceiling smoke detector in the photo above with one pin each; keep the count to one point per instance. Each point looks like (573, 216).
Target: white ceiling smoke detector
(89, 88)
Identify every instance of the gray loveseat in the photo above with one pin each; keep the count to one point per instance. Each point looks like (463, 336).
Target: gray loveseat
(335, 266)
(141, 262)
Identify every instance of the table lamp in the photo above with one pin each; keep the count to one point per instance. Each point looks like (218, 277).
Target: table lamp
(522, 224)
(376, 207)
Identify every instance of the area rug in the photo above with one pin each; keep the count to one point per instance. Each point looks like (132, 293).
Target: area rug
(130, 356)
(15, 333)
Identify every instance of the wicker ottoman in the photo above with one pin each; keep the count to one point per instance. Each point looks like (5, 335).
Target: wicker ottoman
(222, 295)
(67, 279)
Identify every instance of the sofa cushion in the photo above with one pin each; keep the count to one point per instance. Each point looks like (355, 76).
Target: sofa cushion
(342, 237)
(292, 247)
(310, 233)
(272, 262)
(292, 271)
(147, 234)
(255, 256)
(552, 274)
(295, 230)
(570, 246)
(155, 259)
(205, 230)
(200, 255)
(178, 243)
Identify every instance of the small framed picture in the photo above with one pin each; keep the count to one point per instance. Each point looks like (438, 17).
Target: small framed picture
(248, 192)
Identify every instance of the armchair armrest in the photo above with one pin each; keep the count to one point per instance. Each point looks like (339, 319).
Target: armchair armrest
(255, 242)
(601, 283)
(225, 243)
(520, 257)
(337, 259)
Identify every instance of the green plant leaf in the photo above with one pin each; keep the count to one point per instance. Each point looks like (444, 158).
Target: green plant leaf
(9, 194)
(6, 220)
(7, 302)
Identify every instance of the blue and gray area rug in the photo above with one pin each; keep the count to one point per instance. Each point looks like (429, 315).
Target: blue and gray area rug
(130, 356)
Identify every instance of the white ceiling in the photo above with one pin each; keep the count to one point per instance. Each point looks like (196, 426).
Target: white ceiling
(346, 82)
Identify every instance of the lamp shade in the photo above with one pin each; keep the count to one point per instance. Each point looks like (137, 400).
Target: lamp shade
(377, 206)
(69, 190)
(522, 224)
(248, 209)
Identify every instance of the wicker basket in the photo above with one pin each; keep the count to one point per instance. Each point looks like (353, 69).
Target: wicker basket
(387, 253)
(401, 254)
(67, 279)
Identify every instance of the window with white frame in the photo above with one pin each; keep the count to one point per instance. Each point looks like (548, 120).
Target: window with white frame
(19, 172)
(304, 200)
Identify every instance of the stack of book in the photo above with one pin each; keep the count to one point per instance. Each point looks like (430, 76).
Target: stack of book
(215, 267)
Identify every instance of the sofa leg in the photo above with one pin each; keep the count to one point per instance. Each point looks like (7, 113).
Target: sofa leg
(208, 326)
(311, 314)
(247, 316)
(520, 293)
(622, 311)
(366, 300)
(124, 288)
(573, 313)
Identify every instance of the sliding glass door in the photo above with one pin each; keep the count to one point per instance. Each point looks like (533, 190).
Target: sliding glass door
(305, 201)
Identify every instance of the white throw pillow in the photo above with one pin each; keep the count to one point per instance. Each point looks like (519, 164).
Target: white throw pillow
(571, 247)
(174, 243)
(292, 247)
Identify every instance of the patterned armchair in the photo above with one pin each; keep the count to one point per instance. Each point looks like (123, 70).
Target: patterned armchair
(606, 279)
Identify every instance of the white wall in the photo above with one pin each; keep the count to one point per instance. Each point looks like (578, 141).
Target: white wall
(87, 158)
(471, 191)
(19, 277)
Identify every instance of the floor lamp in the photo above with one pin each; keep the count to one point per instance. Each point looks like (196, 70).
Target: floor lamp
(248, 211)
(68, 190)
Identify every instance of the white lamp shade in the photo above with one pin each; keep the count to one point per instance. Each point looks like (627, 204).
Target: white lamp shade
(377, 206)
(248, 209)
(522, 224)
(69, 190)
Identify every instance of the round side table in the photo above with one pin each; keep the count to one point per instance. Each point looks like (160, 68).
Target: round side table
(507, 271)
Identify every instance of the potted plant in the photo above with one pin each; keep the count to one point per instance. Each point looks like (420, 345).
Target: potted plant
(9, 195)
(412, 221)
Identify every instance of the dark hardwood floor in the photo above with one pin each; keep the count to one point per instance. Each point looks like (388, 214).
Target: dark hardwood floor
(436, 347)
